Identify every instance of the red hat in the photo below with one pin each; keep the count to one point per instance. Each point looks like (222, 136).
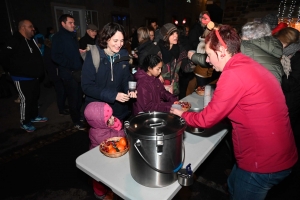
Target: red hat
(280, 26)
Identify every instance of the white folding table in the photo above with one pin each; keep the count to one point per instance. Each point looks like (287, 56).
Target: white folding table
(115, 172)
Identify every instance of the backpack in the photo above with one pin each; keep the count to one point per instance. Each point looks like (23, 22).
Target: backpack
(95, 55)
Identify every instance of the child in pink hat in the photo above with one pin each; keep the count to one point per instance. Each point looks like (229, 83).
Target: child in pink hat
(103, 126)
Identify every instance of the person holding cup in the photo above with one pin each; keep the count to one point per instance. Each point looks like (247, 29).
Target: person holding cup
(109, 83)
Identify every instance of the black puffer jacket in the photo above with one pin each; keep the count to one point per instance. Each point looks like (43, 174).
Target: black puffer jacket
(267, 51)
(291, 88)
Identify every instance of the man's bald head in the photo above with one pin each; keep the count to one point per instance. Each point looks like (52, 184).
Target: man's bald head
(26, 28)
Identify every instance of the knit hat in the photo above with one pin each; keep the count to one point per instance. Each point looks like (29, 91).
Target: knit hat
(280, 26)
(92, 27)
(166, 30)
(271, 20)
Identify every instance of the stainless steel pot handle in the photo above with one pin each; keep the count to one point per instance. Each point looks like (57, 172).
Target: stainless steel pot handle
(158, 170)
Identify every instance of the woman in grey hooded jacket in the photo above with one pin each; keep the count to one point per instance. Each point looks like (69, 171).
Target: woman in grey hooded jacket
(258, 43)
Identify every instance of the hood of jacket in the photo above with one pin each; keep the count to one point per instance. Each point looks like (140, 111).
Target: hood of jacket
(267, 51)
(97, 115)
(141, 74)
(266, 45)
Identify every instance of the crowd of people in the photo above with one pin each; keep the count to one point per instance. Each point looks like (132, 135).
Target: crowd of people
(258, 89)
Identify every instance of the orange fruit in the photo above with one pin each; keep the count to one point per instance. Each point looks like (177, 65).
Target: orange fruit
(109, 147)
(123, 141)
(112, 150)
(120, 147)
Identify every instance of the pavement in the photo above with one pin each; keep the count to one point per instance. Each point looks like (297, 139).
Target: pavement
(41, 165)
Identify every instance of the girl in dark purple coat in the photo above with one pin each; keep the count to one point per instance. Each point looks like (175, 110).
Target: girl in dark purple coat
(152, 95)
(103, 126)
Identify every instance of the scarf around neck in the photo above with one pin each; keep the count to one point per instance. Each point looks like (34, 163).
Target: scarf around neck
(169, 54)
(291, 49)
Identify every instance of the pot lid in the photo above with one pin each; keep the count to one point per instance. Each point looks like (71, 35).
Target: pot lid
(148, 125)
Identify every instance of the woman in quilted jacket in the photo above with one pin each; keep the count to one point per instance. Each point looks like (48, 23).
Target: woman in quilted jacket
(259, 44)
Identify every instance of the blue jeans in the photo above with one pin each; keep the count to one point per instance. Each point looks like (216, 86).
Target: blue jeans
(246, 185)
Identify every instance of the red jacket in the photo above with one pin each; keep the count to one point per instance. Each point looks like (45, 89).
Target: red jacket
(251, 97)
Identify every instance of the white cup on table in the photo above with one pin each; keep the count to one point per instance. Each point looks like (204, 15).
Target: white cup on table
(207, 95)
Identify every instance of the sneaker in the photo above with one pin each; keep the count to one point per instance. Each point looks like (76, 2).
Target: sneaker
(39, 119)
(64, 112)
(79, 126)
(28, 127)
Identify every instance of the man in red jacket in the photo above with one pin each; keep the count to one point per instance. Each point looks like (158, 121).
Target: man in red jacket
(251, 97)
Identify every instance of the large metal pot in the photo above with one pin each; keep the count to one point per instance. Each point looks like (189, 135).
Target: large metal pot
(156, 150)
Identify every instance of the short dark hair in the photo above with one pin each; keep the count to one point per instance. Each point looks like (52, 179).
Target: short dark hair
(229, 36)
(108, 31)
(150, 61)
(64, 18)
(153, 21)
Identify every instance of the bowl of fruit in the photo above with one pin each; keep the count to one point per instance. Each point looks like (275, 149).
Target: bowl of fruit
(200, 90)
(114, 147)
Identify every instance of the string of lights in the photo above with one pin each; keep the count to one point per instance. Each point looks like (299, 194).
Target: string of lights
(283, 9)
(291, 10)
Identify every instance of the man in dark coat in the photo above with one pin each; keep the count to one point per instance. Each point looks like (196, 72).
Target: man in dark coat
(198, 29)
(89, 37)
(26, 68)
(65, 53)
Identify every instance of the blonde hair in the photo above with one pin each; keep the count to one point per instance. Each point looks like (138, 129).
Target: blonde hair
(143, 34)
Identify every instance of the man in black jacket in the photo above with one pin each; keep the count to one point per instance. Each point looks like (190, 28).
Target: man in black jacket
(89, 37)
(26, 68)
(198, 29)
(65, 53)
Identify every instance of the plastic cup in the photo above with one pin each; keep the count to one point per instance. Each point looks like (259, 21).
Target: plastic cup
(131, 86)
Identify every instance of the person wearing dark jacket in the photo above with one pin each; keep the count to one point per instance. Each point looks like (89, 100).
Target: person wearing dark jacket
(152, 94)
(260, 45)
(89, 37)
(289, 37)
(57, 82)
(65, 53)
(184, 78)
(26, 68)
(198, 29)
(146, 46)
(109, 82)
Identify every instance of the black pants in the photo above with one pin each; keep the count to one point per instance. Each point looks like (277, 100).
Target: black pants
(29, 92)
(60, 94)
(74, 95)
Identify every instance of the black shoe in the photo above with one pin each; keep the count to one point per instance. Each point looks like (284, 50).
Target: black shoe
(64, 112)
(79, 126)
